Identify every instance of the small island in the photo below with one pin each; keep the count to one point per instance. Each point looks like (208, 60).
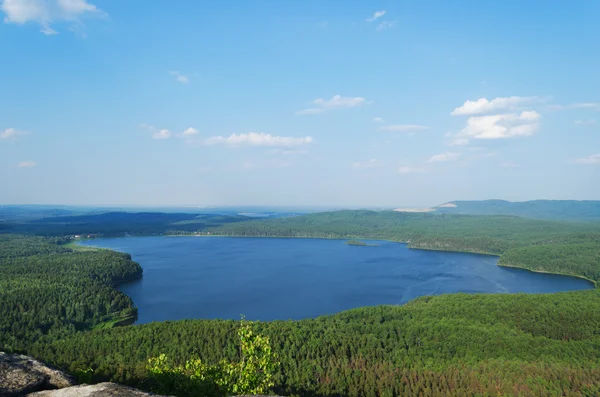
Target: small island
(360, 243)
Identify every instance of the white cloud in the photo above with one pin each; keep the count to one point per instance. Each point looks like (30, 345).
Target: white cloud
(190, 131)
(593, 159)
(378, 120)
(336, 102)
(410, 170)
(501, 126)
(441, 158)
(483, 105)
(586, 122)
(371, 163)
(509, 164)
(26, 164)
(404, 127)
(162, 134)
(386, 25)
(46, 12)
(166, 134)
(376, 14)
(180, 77)
(11, 133)
(258, 139)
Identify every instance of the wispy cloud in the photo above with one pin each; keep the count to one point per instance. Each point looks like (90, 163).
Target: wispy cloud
(182, 78)
(581, 105)
(162, 134)
(458, 141)
(310, 111)
(404, 127)
(11, 133)
(593, 159)
(378, 120)
(376, 15)
(190, 132)
(586, 122)
(47, 12)
(509, 164)
(26, 164)
(444, 157)
(386, 25)
(371, 163)
(483, 105)
(336, 102)
(258, 139)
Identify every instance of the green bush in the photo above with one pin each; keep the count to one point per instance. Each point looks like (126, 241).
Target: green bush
(252, 374)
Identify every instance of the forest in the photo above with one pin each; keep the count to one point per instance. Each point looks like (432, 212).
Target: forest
(59, 304)
(563, 210)
(111, 224)
(49, 289)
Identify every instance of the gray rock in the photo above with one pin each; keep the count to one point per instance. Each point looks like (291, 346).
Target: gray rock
(20, 375)
(100, 390)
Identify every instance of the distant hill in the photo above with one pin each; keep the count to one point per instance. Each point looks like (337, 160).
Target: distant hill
(563, 210)
(119, 224)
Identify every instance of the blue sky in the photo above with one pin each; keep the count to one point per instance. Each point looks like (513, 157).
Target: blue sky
(343, 103)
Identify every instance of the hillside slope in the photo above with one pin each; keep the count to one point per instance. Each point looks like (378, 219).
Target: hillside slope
(563, 210)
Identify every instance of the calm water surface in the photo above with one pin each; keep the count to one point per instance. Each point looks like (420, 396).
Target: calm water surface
(276, 278)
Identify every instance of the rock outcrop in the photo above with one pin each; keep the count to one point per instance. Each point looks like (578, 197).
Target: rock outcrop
(100, 390)
(20, 375)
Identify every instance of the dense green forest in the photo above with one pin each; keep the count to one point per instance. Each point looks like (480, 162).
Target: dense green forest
(111, 224)
(59, 304)
(49, 289)
(564, 210)
(460, 345)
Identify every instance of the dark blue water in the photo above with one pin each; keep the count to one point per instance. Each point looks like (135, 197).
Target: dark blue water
(274, 278)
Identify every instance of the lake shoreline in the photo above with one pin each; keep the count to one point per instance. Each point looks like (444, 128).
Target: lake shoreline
(512, 284)
(407, 243)
(545, 272)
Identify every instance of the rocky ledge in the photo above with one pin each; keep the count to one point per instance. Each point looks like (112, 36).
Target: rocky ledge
(99, 390)
(20, 375)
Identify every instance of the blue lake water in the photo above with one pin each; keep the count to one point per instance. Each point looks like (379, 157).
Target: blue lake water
(278, 279)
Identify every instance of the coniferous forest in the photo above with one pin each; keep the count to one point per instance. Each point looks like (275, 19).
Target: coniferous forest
(58, 303)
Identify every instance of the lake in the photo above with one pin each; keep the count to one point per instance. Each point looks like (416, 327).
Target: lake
(280, 278)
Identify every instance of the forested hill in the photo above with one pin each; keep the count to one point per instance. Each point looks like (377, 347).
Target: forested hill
(565, 210)
(498, 235)
(117, 224)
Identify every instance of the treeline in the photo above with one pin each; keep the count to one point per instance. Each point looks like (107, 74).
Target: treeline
(50, 289)
(527, 345)
(566, 210)
(120, 223)
(575, 259)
